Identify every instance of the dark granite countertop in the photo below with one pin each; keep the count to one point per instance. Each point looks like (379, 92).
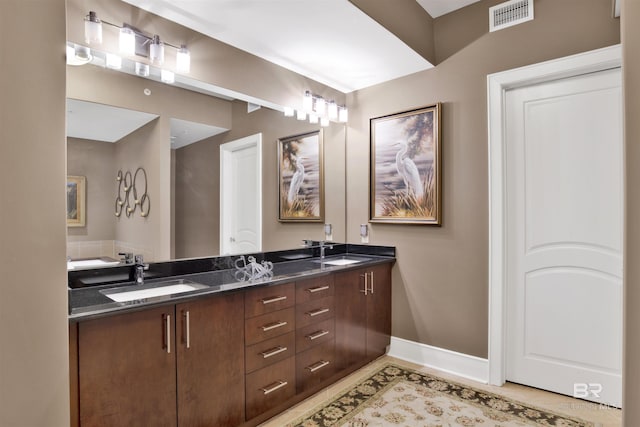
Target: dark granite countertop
(88, 301)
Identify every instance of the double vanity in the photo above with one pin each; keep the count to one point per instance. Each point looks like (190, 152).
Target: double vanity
(202, 343)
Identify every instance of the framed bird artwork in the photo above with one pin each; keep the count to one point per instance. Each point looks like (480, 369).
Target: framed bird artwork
(406, 167)
(300, 178)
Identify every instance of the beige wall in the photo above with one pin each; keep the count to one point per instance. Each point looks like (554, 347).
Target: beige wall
(198, 189)
(34, 360)
(95, 160)
(631, 82)
(440, 292)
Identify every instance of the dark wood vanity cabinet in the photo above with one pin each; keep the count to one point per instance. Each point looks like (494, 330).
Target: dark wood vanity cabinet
(229, 359)
(363, 314)
(166, 366)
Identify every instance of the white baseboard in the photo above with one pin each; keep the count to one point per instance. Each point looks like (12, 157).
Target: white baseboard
(463, 365)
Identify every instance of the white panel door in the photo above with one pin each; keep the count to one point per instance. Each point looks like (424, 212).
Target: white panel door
(564, 226)
(241, 196)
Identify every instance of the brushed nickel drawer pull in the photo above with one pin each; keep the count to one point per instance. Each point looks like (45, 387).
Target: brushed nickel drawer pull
(318, 289)
(271, 326)
(273, 351)
(274, 299)
(273, 387)
(317, 335)
(318, 312)
(318, 365)
(188, 328)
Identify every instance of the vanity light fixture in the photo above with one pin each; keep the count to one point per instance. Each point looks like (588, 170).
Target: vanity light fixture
(78, 55)
(156, 51)
(92, 28)
(133, 42)
(127, 41)
(183, 60)
(288, 112)
(321, 110)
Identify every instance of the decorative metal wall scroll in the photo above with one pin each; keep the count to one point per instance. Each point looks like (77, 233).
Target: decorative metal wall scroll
(131, 185)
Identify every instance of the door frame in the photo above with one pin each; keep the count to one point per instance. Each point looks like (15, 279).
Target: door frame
(226, 174)
(497, 85)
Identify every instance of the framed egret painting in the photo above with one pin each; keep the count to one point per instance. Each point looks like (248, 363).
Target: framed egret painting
(405, 178)
(300, 178)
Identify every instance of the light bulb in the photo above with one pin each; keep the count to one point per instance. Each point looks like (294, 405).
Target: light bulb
(114, 61)
(320, 106)
(324, 122)
(288, 112)
(92, 28)
(127, 41)
(156, 51)
(81, 55)
(343, 115)
(332, 110)
(313, 118)
(167, 76)
(183, 60)
(301, 115)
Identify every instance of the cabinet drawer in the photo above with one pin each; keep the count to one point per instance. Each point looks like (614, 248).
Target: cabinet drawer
(315, 365)
(269, 352)
(270, 386)
(314, 334)
(269, 325)
(311, 289)
(269, 298)
(314, 311)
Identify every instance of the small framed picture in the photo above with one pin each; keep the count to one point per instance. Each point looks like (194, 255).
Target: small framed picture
(76, 201)
(405, 179)
(300, 178)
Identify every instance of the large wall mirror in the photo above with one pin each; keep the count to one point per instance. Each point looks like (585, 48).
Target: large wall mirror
(119, 122)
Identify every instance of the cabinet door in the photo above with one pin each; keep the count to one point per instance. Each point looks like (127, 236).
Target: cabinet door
(210, 352)
(350, 318)
(127, 371)
(378, 310)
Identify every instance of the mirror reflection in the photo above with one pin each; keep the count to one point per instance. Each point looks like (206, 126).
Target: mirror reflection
(118, 122)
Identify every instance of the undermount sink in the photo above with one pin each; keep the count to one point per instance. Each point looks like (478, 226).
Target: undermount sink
(341, 260)
(140, 292)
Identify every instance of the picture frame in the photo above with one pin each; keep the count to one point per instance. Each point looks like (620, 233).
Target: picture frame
(406, 167)
(301, 178)
(76, 201)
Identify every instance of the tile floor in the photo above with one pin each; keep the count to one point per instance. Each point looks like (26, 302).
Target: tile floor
(601, 416)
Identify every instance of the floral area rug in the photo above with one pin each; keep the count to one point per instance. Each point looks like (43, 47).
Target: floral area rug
(396, 396)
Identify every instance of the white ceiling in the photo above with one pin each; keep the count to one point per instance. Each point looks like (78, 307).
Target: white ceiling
(438, 8)
(99, 122)
(330, 41)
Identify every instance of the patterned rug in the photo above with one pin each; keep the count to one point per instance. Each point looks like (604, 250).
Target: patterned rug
(396, 396)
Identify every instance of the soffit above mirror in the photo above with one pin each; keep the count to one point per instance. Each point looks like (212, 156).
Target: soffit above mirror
(99, 122)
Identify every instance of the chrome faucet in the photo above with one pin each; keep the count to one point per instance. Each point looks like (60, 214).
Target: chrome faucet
(139, 268)
(318, 244)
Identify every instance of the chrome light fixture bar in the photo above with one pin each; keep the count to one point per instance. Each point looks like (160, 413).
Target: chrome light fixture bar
(133, 42)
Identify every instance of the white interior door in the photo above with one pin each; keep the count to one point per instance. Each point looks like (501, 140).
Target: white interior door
(564, 236)
(241, 195)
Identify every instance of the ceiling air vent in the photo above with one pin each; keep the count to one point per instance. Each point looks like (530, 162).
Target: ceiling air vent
(510, 13)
